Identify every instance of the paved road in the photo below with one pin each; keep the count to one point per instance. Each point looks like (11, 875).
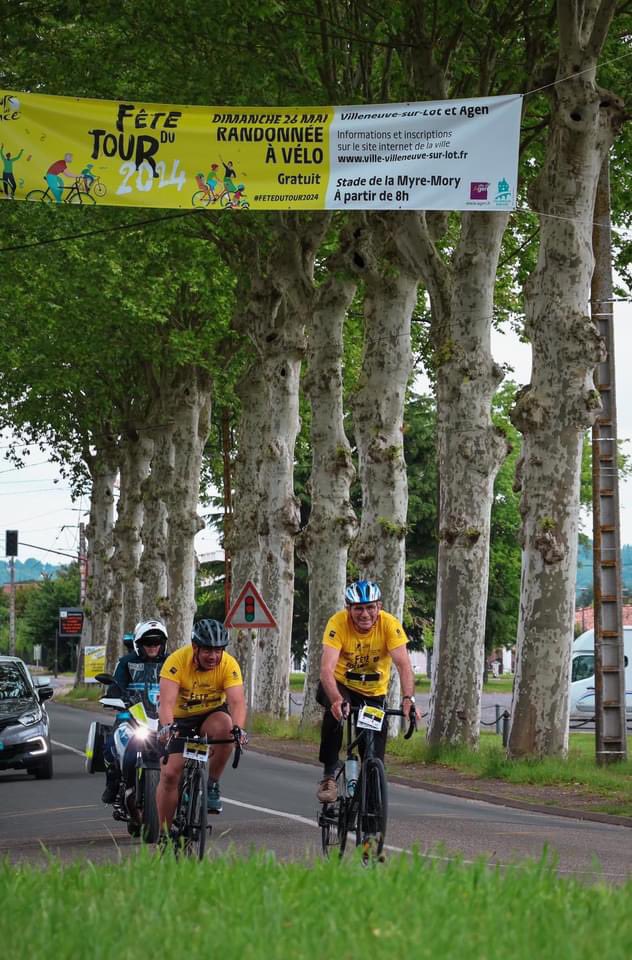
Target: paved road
(269, 804)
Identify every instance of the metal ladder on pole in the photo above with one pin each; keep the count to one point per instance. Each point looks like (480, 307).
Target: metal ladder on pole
(610, 725)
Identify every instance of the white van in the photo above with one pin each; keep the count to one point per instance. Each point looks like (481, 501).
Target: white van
(582, 702)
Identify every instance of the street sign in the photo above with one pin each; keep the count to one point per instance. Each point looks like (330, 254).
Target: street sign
(70, 623)
(249, 610)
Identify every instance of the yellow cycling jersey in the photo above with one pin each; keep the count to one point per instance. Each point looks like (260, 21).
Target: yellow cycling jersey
(364, 663)
(200, 690)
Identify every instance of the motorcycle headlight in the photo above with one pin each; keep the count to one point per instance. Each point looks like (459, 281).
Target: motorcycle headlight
(142, 733)
(28, 718)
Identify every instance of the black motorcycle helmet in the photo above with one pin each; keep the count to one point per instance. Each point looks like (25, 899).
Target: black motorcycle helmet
(209, 633)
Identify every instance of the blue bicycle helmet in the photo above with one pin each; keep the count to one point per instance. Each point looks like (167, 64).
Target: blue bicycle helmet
(210, 633)
(362, 591)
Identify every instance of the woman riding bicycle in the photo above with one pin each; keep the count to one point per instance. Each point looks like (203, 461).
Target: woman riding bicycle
(359, 645)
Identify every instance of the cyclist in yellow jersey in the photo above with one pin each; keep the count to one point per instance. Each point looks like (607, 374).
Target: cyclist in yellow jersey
(359, 645)
(201, 691)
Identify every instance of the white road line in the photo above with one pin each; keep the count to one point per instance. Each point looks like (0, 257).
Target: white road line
(298, 819)
(273, 813)
(38, 813)
(80, 753)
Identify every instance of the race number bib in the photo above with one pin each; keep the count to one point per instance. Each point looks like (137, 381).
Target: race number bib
(371, 718)
(195, 751)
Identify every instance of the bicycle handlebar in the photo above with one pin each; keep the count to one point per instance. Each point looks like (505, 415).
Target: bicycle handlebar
(412, 716)
(234, 738)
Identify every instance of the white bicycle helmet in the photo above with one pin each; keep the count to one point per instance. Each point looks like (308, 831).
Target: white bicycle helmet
(149, 632)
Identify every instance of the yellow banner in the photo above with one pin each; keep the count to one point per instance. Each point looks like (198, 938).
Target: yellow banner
(444, 155)
(93, 663)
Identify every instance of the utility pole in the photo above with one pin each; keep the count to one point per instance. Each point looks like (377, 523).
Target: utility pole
(83, 565)
(11, 551)
(12, 607)
(228, 508)
(610, 726)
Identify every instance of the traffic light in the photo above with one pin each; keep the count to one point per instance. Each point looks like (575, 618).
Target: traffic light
(11, 543)
(249, 608)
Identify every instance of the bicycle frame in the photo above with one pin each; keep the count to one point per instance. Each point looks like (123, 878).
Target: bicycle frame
(190, 823)
(365, 811)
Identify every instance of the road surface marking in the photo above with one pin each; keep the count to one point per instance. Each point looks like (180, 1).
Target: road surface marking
(79, 753)
(38, 813)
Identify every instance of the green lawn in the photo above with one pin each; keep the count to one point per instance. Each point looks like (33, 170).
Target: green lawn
(260, 909)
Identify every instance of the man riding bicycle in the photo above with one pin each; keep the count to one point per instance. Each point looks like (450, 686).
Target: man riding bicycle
(359, 645)
(201, 692)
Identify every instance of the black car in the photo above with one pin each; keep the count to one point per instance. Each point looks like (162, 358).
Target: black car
(24, 738)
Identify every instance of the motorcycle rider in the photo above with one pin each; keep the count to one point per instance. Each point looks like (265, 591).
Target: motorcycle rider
(137, 671)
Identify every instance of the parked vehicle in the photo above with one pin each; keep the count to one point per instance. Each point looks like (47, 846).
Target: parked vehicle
(24, 736)
(136, 805)
(582, 692)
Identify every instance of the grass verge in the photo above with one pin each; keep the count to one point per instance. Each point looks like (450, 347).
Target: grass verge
(260, 909)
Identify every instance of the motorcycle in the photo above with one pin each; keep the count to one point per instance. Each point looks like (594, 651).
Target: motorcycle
(135, 805)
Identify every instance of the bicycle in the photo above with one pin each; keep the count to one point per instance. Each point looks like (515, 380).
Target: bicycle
(189, 829)
(362, 804)
(225, 198)
(74, 193)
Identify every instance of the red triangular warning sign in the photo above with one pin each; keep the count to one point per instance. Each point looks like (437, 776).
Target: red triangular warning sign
(249, 610)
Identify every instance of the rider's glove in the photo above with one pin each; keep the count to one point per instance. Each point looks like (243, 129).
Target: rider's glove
(240, 735)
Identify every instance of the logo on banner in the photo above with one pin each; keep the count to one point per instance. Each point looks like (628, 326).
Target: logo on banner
(478, 190)
(503, 194)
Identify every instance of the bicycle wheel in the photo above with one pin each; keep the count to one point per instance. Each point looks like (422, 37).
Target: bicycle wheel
(373, 812)
(200, 199)
(42, 196)
(150, 823)
(75, 196)
(195, 826)
(99, 189)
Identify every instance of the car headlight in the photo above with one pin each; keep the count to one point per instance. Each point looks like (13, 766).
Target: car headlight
(28, 718)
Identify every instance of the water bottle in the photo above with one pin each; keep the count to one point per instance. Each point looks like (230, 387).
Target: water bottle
(352, 772)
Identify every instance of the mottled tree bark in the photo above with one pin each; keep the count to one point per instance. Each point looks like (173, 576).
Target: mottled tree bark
(470, 451)
(324, 542)
(152, 570)
(188, 399)
(103, 468)
(390, 295)
(560, 403)
(135, 455)
(278, 300)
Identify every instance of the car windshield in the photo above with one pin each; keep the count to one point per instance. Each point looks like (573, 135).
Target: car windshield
(13, 685)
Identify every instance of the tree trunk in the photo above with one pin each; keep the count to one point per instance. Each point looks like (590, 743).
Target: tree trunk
(243, 537)
(188, 400)
(152, 570)
(279, 298)
(378, 416)
(470, 452)
(126, 593)
(324, 543)
(280, 518)
(560, 403)
(103, 469)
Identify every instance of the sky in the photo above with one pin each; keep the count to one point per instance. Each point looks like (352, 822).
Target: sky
(36, 501)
